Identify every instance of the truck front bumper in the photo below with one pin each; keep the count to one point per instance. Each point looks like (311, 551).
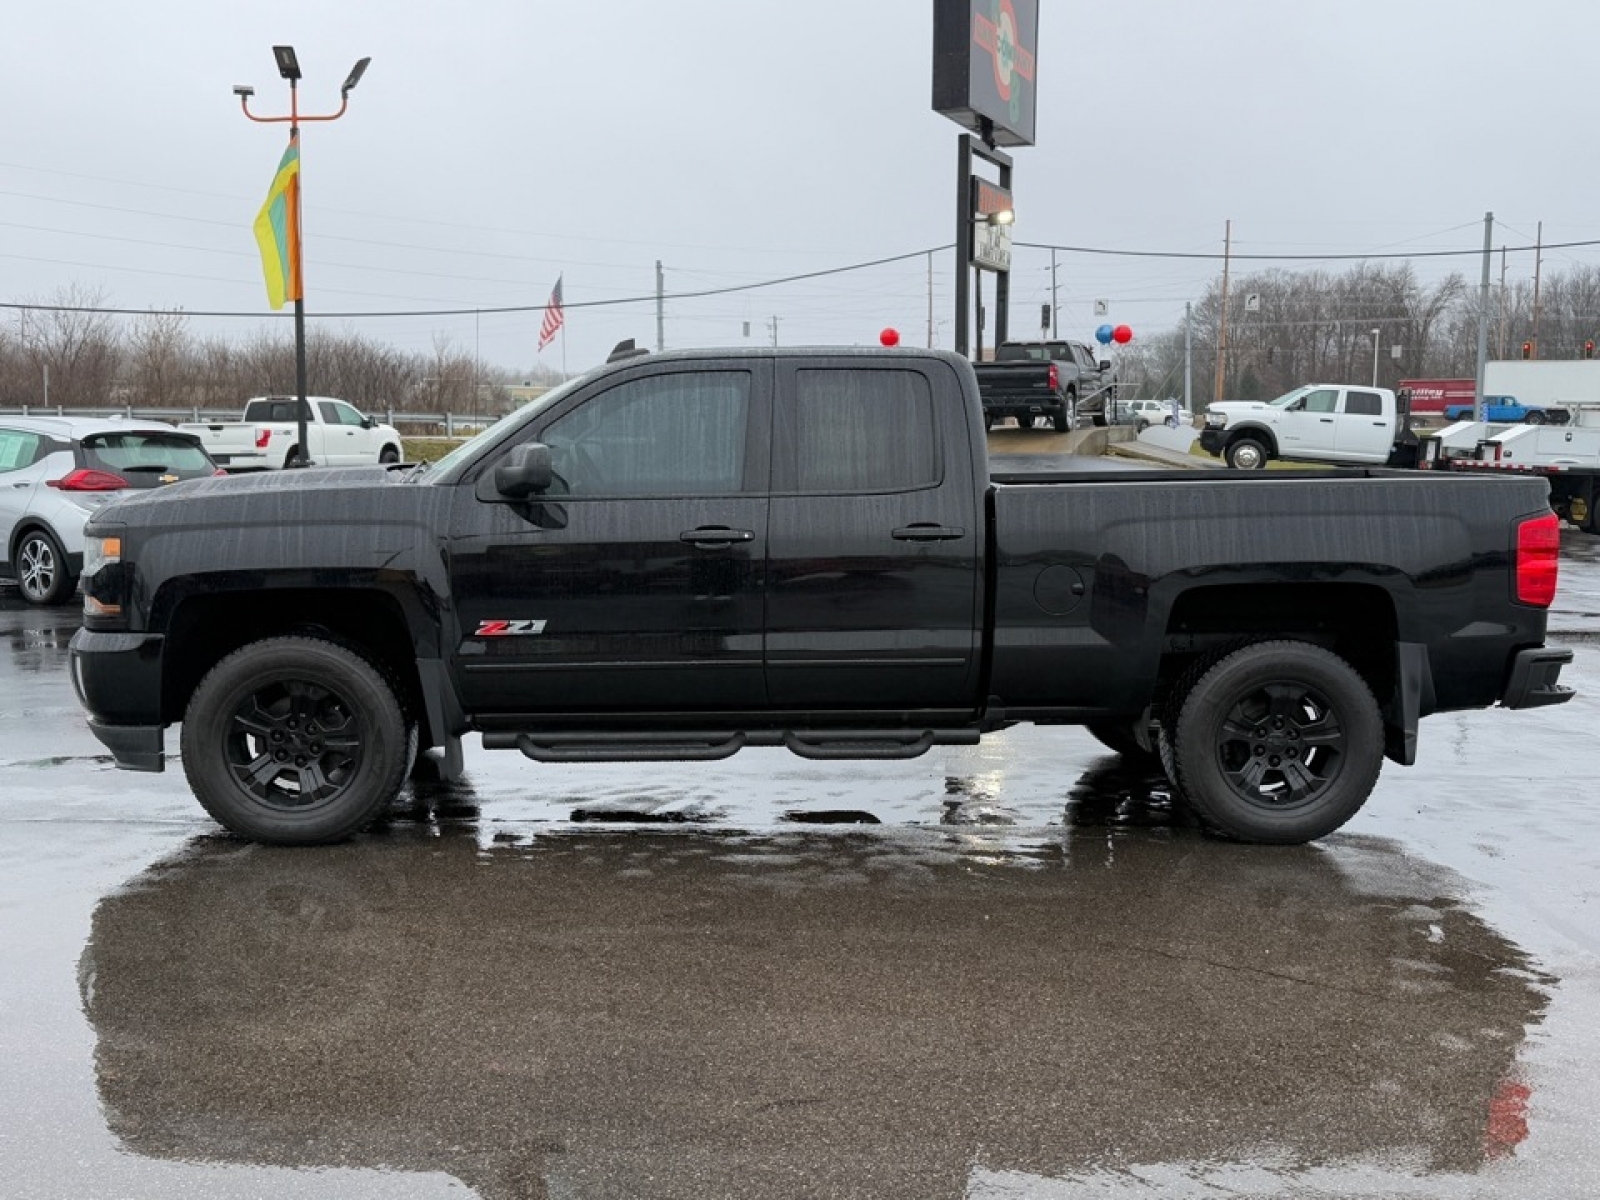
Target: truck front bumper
(1534, 678)
(1212, 440)
(118, 680)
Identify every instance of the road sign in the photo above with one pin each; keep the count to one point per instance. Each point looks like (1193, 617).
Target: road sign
(1102, 307)
(1252, 302)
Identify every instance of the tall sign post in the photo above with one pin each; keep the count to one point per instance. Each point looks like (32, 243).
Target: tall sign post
(985, 79)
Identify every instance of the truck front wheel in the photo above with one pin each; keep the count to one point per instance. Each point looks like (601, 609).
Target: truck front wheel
(294, 741)
(1279, 742)
(1246, 454)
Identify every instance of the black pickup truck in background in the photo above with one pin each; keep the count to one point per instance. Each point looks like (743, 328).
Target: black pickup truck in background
(1055, 381)
(677, 556)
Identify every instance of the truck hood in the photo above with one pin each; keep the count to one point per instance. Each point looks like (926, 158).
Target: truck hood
(1240, 408)
(320, 493)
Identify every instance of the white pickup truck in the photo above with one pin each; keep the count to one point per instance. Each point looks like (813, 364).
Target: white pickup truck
(337, 435)
(1320, 422)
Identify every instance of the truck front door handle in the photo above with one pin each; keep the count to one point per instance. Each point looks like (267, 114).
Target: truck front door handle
(716, 535)
(928, 533)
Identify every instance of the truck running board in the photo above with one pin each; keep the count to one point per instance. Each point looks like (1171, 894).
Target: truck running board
(700, 746)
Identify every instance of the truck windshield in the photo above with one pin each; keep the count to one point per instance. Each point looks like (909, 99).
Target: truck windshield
(1289, 398)
(440, 470)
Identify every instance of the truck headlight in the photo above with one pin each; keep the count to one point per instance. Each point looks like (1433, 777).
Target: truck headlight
(1216, 420)
(104, 580)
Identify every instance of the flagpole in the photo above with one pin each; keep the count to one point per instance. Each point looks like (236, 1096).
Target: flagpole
(289, 68)
(563, 350)
(302, 453)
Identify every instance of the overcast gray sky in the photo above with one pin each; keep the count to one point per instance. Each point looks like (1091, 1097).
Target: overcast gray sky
(497, 144)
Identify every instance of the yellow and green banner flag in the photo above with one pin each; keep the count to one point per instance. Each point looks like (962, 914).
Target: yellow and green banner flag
(278, 230)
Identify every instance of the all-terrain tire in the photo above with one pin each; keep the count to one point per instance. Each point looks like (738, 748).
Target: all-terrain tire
(295, 741)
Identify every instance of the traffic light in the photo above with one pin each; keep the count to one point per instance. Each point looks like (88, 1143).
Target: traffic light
(1527, 349)
(1588, 348)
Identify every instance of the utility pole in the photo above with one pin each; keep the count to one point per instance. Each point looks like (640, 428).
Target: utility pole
(1055, 308)
(289, 241)
(1222, 336)
(1538, 261)
(1503, 312)
(1483, 314)
(1188, 355)
(661, 309)
(930, 299)
(774, 324)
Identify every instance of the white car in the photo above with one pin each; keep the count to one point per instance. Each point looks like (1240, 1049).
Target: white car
(1142, 414)
(55, 471)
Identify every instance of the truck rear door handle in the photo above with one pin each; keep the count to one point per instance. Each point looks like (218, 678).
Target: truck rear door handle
(1327, 420)
(716, 535)
(928, 532)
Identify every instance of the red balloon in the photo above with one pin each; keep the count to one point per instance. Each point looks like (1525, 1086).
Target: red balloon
(1122, 335)
(890, 337)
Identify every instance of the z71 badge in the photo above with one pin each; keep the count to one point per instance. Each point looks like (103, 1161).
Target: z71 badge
(508, 628)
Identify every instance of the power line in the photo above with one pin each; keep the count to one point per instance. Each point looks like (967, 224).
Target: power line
(507, 308)
(1477, 253)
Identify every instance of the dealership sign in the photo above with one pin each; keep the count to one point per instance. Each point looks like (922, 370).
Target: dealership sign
(986, 66)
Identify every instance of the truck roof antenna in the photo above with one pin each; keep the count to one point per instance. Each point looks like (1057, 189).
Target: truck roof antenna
(625, 349)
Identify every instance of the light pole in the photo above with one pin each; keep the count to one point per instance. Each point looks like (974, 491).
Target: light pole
(1375, 334)
(289, 68)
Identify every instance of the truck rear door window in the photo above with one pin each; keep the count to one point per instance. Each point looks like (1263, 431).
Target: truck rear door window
(663, 435)
(1363, 404)
(864, 431)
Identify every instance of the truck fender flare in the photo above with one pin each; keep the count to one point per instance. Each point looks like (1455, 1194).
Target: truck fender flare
(1260, 433)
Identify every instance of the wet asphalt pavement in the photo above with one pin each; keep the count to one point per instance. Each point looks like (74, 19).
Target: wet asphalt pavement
(1003, 971)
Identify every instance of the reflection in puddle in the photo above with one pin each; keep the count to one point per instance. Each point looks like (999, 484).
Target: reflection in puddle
(885, 1011)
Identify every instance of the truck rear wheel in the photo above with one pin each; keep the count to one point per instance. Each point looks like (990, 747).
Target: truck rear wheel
(294, 741)
(1279, 742)
(1246, 454)
(1534, 418)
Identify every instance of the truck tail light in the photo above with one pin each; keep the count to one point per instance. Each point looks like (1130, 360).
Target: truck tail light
(1055, 378)
(1538, 557)
(263, 438)
(85, 480)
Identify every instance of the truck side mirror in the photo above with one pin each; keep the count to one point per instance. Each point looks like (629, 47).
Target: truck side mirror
(1105, 364)
(525, 471)
(366, 422)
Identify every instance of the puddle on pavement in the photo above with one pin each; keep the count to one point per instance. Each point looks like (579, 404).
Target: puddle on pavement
(885, 1011)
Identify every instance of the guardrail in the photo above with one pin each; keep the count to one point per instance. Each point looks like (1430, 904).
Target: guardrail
(452, 423)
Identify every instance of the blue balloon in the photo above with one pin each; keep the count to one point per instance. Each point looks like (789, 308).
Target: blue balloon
(1104, 334)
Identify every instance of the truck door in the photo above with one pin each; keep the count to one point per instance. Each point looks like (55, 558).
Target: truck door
(343, 439)
(1365, 432)
(874, 561)
(1308, 429)
(636, 582)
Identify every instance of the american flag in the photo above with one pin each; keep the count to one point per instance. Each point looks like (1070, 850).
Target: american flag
(553, 317)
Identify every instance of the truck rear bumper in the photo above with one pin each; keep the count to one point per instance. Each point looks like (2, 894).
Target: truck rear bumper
(1534, 678)
(118, 680)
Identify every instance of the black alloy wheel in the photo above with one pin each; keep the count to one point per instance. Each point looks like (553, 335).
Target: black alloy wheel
(1278, 742)
(294, 741)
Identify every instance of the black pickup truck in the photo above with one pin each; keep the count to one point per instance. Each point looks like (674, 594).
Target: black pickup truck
(677, 556)
(1055, 381)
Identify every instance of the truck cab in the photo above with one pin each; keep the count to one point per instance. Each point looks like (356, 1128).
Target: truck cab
(1319, 422)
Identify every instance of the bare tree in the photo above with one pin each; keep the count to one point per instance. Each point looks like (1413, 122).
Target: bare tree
(160, 363)
(77, 344)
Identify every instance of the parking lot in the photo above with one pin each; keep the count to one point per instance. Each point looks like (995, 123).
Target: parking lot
(1012, 970)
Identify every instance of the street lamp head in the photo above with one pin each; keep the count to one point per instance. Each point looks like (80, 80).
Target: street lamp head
(356, 72)
(288, 64)
(1376, 332)
(243, 90)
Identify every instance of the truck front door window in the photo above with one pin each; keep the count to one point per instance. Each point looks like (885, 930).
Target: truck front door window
(667, 435)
